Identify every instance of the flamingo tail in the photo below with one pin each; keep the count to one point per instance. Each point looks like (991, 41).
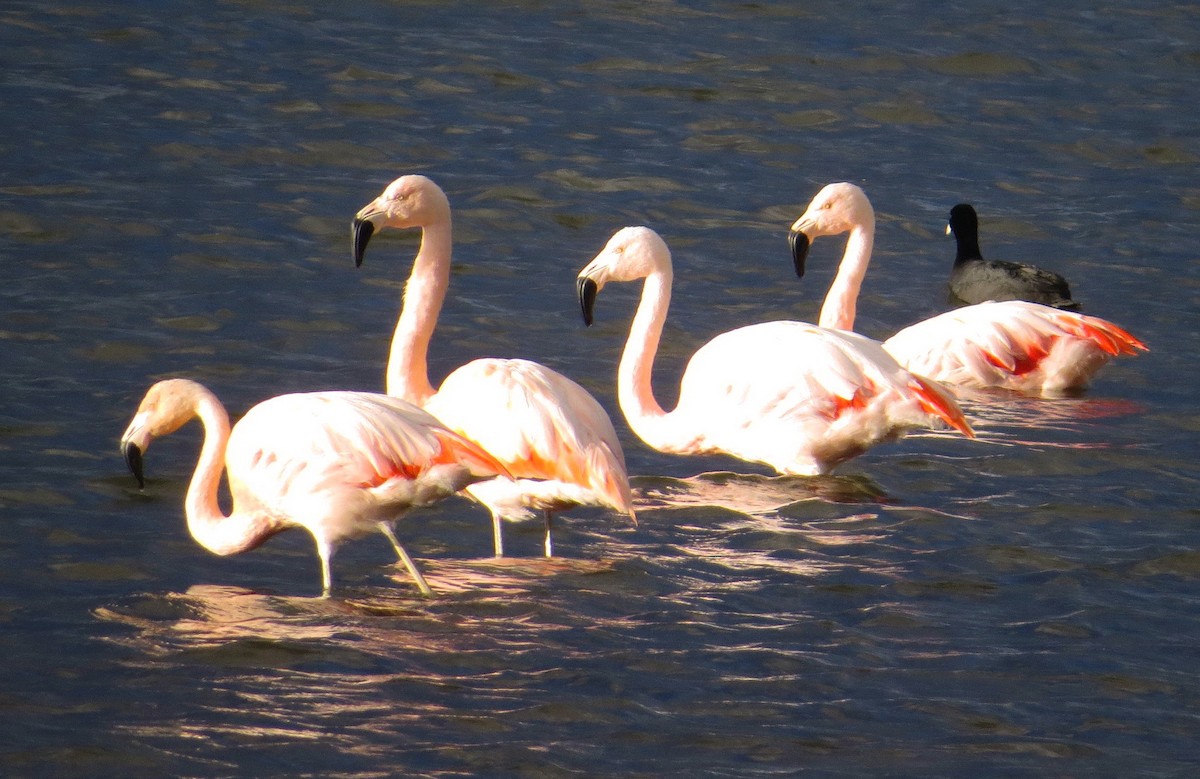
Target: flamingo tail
(456, 448)
(1106, 335)
(937, 401)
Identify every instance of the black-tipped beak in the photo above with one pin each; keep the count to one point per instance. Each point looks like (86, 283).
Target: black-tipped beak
(133, 458)
(362, 232)
(800, 244)
(587, 298)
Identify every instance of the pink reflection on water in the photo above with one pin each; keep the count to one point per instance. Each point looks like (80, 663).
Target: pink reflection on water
(751, 494)
(1012, 419)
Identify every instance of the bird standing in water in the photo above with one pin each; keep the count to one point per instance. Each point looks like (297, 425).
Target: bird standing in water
(554, 438)
(1010, 344)
(797, 397)
(338, 464)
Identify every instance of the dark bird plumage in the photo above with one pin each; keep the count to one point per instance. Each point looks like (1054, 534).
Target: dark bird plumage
(976, 280)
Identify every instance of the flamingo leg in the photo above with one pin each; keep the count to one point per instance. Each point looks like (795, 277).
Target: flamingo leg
(549, 522)
(422, 585)
(497, 535)
(324, 552)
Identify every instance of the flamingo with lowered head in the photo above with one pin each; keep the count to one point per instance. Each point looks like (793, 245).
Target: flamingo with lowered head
(554, 437)
(338, 464)
(1012, 344)
(799, 398)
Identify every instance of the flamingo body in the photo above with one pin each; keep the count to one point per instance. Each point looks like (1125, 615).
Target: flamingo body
(1011, 344)
(556, 439)
(832, 397)
(553, 436)
(796, 397)
(338, 464)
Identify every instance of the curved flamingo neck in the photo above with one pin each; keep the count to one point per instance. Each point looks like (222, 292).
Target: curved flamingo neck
(840, 306)
(635, 392)
(408, 369)
(212, 529)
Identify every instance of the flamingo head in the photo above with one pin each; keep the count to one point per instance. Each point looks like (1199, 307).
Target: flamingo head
(168, 406)
(632, 253)
(409, 201)
(837, 208)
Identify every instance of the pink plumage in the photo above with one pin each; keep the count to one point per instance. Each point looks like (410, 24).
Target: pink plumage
(1012, 344)
(797, 397)
(338, 464)
(552, 435)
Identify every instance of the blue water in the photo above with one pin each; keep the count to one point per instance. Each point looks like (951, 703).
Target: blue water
(176, 187)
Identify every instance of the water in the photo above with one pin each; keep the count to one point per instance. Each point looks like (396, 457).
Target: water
(176, 186)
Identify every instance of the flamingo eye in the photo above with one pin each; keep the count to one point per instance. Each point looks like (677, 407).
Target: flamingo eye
(396, 196)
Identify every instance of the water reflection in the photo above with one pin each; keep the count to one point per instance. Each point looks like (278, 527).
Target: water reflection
(751, 493)
(1012, 419)
(380, 621)
(507, 576)
(491, 612)
(209, 614)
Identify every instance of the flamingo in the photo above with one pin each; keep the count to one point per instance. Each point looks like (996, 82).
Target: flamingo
(976, 280)
(1017, 345)
(554, 437)
(796, 397)
(338, 464)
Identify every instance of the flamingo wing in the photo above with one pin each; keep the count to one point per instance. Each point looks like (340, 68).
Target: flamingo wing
(539, 423)
(1011, 344)
(300, 447)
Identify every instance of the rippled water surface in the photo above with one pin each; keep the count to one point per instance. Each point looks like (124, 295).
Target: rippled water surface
(176, 187)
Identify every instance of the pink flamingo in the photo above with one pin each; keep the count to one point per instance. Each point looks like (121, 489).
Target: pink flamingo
(338, 464)
(1011, 344)
(796, 397)
(552, 435)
